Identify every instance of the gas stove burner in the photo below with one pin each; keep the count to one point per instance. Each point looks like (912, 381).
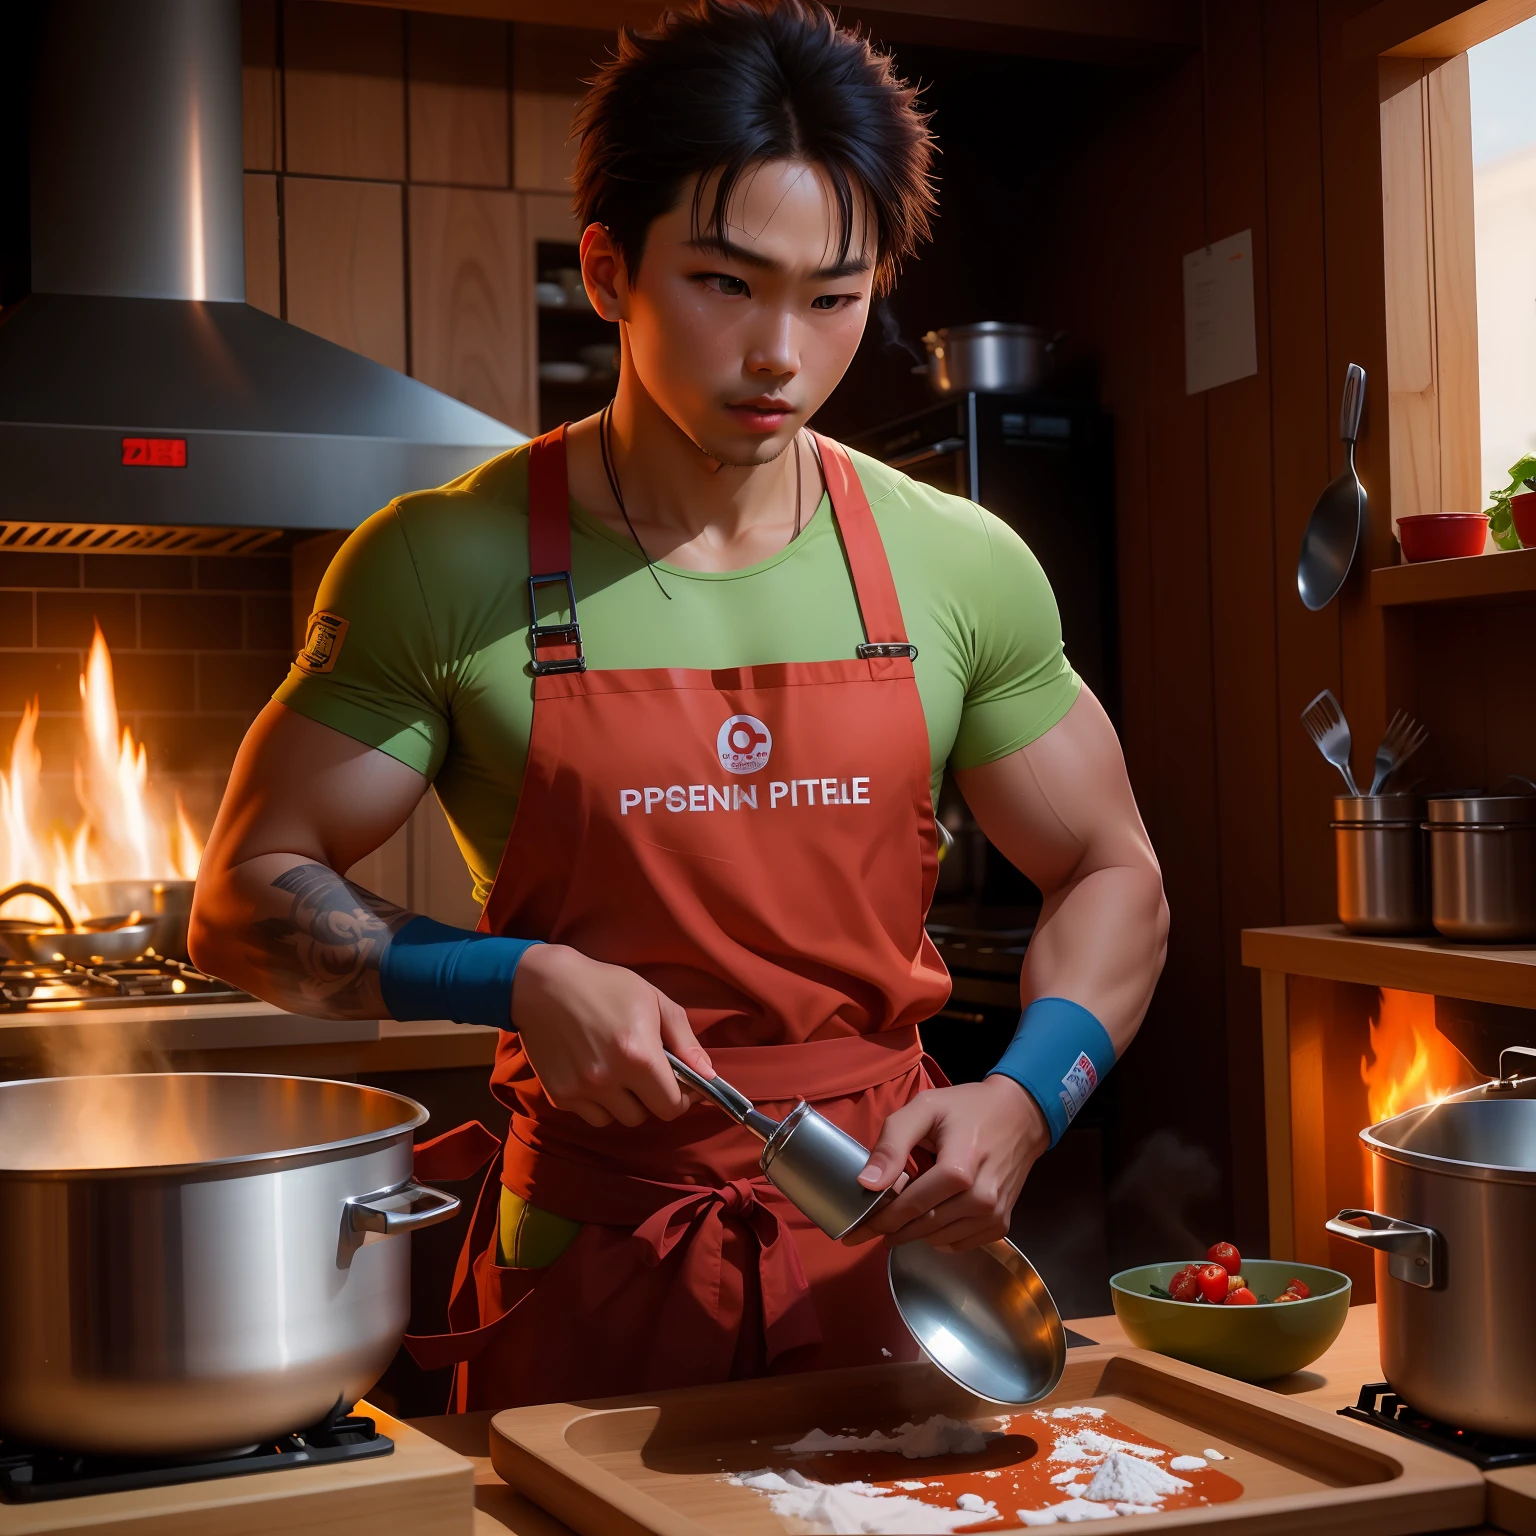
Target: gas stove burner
(28, 988)
(1381, 1406)
(33, 1476)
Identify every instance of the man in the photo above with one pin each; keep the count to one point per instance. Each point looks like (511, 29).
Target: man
(685, 677)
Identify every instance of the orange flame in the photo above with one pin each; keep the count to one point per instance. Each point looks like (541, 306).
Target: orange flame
(119, 835)
(1410, 1062)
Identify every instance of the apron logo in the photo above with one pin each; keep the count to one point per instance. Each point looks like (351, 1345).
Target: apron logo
(322, 643)
(744, 743)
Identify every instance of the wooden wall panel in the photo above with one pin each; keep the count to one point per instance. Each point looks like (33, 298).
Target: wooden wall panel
(263, 258)
(458, 80)
(469, 291)
(345, 264)
(1243, 593)
(1448, 110)
(549, 68)
(344, 90)
(1302, 427)
(260, 85)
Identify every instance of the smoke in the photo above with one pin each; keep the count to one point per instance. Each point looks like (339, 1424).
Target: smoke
(890, 330)
(1151, 1202)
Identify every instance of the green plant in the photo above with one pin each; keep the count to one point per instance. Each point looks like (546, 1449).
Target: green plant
(1501, 522)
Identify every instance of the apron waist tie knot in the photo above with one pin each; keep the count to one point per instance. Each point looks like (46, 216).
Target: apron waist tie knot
(698, 1220)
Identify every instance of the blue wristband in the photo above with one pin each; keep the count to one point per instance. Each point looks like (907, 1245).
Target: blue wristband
(431, 971)
(1059, 1055)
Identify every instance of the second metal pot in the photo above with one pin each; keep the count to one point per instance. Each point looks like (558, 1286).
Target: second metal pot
(994, 356)
(166, 904)
(1380, 863)
(196, 1261)
(1483, 867)
(1454, 1231)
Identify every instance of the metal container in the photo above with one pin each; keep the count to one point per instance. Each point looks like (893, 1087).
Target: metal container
(1380, 863)
(984, 1317)
(814, 1162)
(197, 1261)
(165, 903)
(994, 356)
(1482, 855)
(1454, 1229)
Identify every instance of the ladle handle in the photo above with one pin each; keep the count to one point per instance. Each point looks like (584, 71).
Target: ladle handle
(737, 1105)
(1354, 403)
(26, 888)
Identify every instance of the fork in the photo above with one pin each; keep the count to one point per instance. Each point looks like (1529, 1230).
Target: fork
(1327, 726)
(1404, 736)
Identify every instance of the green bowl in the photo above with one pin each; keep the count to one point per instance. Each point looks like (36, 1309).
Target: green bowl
(1251, 1343)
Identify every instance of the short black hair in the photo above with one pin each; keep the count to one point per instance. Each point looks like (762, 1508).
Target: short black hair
(724, 85)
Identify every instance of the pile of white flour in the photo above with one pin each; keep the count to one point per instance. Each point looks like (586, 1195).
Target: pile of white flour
(862, 1509)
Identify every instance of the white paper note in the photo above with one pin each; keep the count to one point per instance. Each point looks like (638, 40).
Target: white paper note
(1219, 340)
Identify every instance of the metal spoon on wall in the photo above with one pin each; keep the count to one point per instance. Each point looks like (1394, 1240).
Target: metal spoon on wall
(1338, 520)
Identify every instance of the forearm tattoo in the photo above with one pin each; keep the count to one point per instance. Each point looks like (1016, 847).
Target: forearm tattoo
(325, 953)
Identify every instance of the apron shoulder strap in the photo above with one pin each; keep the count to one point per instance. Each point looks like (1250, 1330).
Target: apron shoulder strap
(884, 632)
(556, 647)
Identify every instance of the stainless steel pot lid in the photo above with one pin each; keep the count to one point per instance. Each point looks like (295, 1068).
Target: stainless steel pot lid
(1471, 810)
(1369, 808)
(987, 328)
(131, 1123)
(1487, 1132)
(984, 1317)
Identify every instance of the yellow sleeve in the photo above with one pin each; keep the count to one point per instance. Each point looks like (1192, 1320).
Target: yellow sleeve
(369, 667)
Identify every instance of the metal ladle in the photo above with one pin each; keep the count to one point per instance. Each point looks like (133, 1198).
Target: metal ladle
(984, 1317)
(1334, 529)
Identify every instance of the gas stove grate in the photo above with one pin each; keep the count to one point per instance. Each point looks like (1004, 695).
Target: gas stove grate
(34, 1476)
(28, 988)
(1381, 1406)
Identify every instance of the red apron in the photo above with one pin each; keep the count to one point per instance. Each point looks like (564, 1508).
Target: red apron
(759, 844)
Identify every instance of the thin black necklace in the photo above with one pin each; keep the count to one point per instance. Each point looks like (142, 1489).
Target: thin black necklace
(603, 428)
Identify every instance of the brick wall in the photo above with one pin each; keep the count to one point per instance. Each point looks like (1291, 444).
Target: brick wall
(198, 643)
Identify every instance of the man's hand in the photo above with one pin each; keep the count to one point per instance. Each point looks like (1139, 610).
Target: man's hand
(595, 1035)
(985, 1136)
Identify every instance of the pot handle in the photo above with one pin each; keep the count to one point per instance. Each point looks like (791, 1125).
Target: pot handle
(1412, 1252)
(366, 1213)
(1506, 1079)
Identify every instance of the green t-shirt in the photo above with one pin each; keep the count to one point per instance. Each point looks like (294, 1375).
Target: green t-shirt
(432, 665)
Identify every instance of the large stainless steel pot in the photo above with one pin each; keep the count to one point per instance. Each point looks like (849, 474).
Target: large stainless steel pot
(1483, 863)
(1380, 867)
(196, 1261)
(993, 356)
(1454, 1230)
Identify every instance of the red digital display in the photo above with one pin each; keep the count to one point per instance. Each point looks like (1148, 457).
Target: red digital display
(156, 452)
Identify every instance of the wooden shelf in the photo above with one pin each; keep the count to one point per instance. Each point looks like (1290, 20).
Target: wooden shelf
(1506, 574)
(1492, 974)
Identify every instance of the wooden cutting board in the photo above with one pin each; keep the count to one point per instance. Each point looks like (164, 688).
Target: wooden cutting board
(1512, 1500)
(652, 1465)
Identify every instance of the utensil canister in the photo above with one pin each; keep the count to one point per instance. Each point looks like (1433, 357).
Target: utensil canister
(1482, 854)
(1381, 863)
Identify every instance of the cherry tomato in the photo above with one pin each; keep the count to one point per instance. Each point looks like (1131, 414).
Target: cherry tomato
(1286, 1296)
(1299, 1289)
(1241, 1297)
(1227, 1256)
(1184, 1287)
(1212, 1280)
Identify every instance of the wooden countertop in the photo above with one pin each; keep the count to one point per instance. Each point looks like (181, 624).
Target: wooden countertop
(1331, 1382)
(424, 1045)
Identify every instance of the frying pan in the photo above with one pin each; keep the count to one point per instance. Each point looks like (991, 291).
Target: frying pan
(99, 941)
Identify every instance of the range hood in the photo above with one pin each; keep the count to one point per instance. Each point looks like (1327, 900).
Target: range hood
(136, 384)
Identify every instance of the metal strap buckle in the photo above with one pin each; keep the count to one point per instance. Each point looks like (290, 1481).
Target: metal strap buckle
(887, 648)
(554, 634)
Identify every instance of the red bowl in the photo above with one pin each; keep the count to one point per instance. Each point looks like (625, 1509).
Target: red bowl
(1523, 509)
(1442, 535)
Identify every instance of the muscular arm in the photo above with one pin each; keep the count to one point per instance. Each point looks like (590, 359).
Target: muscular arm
(1062, 811)
(272, 914)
